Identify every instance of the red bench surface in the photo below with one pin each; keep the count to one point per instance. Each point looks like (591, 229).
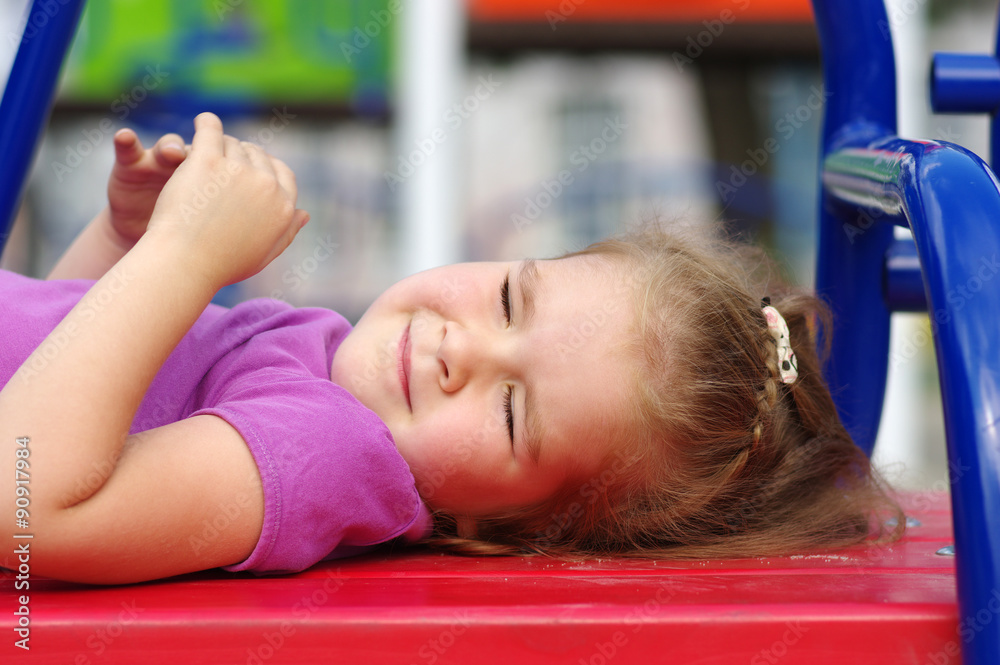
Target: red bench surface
(895, 604)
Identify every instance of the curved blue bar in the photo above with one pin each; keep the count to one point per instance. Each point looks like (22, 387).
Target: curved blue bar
(965, 83)
(952, 201)
(860, 81)
(27, 99)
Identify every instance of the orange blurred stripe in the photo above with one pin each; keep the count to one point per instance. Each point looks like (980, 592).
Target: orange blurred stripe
(668, 11)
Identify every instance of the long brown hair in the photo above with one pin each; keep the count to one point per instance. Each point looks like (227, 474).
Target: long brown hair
(722, 459)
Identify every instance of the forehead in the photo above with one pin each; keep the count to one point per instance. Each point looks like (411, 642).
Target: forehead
(592, 281)
(583, 371)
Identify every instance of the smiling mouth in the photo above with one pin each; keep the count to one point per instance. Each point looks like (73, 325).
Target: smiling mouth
(403, 364)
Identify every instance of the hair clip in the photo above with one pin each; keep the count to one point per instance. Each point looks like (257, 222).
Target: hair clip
(787, 364)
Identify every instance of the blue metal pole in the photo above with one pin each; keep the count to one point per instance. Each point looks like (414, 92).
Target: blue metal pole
(860, 84)
(965, 83)
(970, 83)
(27, 99)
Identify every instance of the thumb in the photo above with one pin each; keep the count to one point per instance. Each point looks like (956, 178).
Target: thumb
(299, 219)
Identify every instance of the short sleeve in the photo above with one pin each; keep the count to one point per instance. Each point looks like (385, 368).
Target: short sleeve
(334, 483)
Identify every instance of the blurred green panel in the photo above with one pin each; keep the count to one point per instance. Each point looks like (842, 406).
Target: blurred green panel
(252, 51)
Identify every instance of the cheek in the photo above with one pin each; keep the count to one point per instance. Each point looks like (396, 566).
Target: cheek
(440, 447)
(443, 461)
(438, 471)
(423, 322)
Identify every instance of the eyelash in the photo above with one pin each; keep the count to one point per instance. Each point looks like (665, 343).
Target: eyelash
(508, 409)
(510, 413)
(505, 297)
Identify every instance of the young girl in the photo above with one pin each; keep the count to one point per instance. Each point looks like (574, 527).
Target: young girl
(633, 398)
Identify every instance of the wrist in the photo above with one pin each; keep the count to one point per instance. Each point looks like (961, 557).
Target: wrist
(111, 234)
(182, 256)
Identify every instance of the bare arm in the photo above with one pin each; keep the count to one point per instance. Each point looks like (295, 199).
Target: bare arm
(100, 360)
(181, 498)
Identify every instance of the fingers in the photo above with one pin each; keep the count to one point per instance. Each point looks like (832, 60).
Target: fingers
(257, 156)
(170, 150)
(286, 177)
(209, 133)
(128, 148)
(234, 148)
(300, 219)
(208, 136)
(262, 160)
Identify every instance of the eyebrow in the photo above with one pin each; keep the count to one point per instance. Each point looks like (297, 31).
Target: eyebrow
(527, 286)
(528, 281)
(532, 427)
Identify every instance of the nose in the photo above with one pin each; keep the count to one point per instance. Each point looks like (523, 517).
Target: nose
(464, 354)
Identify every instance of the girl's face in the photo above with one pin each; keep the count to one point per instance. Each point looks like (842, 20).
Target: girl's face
(500, 382)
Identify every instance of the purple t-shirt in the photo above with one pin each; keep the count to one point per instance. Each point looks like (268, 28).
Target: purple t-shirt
(334, 483)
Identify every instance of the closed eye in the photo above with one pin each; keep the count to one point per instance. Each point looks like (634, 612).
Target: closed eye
(505, 296)
(509, 411)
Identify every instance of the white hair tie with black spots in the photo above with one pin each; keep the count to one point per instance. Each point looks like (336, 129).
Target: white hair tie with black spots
(787, 364)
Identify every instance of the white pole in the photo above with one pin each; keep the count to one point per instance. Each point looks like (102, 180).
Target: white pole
(431, 65)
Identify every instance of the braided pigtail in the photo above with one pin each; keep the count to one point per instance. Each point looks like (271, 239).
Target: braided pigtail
(767, 396)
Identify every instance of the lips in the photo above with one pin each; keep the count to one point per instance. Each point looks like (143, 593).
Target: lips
(403, 364)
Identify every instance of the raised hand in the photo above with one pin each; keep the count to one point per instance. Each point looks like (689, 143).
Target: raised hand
(229, 208)
(136, 180)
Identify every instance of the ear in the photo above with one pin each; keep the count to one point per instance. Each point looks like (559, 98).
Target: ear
(465, 526)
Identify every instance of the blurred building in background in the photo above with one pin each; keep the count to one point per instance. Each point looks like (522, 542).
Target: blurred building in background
(562, 121)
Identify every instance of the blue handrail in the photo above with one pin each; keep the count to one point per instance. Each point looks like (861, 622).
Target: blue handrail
(950, 199)
(27, 99)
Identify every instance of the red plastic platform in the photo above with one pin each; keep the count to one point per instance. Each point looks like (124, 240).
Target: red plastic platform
(884, 605)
